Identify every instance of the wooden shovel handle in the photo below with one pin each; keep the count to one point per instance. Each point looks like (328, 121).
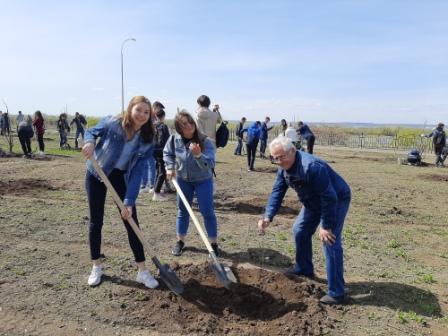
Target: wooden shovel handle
(195, 220)
(118, 201)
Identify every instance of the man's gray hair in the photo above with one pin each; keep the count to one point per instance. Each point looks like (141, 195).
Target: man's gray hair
(283, 141)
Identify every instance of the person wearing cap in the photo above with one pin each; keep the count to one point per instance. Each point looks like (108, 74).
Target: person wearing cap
(439, 141)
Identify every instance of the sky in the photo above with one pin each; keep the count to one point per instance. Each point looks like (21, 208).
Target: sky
(318, 61)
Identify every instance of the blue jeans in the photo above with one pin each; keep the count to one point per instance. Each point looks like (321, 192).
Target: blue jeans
(204, 194)
(62, 139)
(149, 173)
(303, 230)
(79, 131)
(239, 146)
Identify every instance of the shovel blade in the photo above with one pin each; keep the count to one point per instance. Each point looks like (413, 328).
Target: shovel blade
(224, 274)
(169, 277)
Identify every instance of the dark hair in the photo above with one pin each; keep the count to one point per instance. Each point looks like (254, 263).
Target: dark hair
(38, 115)
(243, 118)
(203, 101)
(160, 113)
(147, 130)
(157, 105)
(198, 137)
(63, 115)
(258, 123)
(300, 123)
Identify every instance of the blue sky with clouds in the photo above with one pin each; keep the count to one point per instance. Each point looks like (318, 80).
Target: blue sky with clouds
(320, 61)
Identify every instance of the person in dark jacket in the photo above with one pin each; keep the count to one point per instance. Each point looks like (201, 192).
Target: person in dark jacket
(80, 121)
(39, 126)
(6, 124)
(439, 141)
(124, 143)
(253, 137)
(325, 197)
(305, 133)
(161, 137)
(264, 136)
(63, 129)
(26, 133)
(239, 136)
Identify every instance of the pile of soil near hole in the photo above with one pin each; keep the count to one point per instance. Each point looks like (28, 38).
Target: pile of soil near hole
(261, 303)
(24, 186)
(256, 205)
(434, 177)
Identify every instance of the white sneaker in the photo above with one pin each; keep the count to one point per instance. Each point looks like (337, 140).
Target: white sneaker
(159, 197)
(95, 276)
(147, 279)
(151, 190)
(144, 189)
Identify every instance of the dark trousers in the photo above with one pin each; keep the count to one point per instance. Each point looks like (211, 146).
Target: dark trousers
(263, 143)
(25, 142)
(62, 139)
(440, 157)
(239, 146)
(161, 172)
(310, 144)
(40, 141)
(251, 153)
(96, 195)
(79, 132)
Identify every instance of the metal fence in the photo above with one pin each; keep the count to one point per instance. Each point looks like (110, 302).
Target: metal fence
(363, 141)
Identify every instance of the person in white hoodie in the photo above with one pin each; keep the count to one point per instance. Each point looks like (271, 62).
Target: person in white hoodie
(207, 119)
(291, 132)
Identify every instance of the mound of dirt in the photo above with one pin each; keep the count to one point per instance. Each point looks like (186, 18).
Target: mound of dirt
(24, 186)
(256, 205)
(262, 303)
(434, 177)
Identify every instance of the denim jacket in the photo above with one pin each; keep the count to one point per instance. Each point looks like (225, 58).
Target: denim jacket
(317, 185)
(107, 152)
(181, 159)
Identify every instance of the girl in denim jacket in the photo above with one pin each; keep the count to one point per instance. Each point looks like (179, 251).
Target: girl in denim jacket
(190, 156)
(125, 143)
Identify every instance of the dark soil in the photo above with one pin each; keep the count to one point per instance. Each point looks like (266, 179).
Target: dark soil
(434, 177)
(24, 187)
(255, 205)
(261, 303)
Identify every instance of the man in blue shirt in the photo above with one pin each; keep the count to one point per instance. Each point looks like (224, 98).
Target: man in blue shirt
(306, 134)
(325, 197)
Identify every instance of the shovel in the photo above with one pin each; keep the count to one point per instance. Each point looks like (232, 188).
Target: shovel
(223, 273)
(167, 275)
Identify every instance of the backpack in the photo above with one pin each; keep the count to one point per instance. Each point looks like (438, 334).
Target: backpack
(439, 138)
(222, 135)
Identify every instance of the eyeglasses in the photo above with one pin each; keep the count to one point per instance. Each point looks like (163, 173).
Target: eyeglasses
(279, 157)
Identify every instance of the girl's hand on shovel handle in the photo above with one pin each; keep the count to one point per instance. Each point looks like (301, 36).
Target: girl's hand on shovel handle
(170, 174)
(126, 213)
(87, 150)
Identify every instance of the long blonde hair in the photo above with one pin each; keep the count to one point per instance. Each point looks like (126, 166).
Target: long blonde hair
(147, 130)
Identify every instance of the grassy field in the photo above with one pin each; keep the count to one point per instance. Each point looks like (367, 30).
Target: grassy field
(396, 255)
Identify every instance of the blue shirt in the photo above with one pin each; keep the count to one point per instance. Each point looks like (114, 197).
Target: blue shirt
(317, 185)
(126, 153)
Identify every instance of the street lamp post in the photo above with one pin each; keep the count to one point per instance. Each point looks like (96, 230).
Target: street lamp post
(122, 76)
